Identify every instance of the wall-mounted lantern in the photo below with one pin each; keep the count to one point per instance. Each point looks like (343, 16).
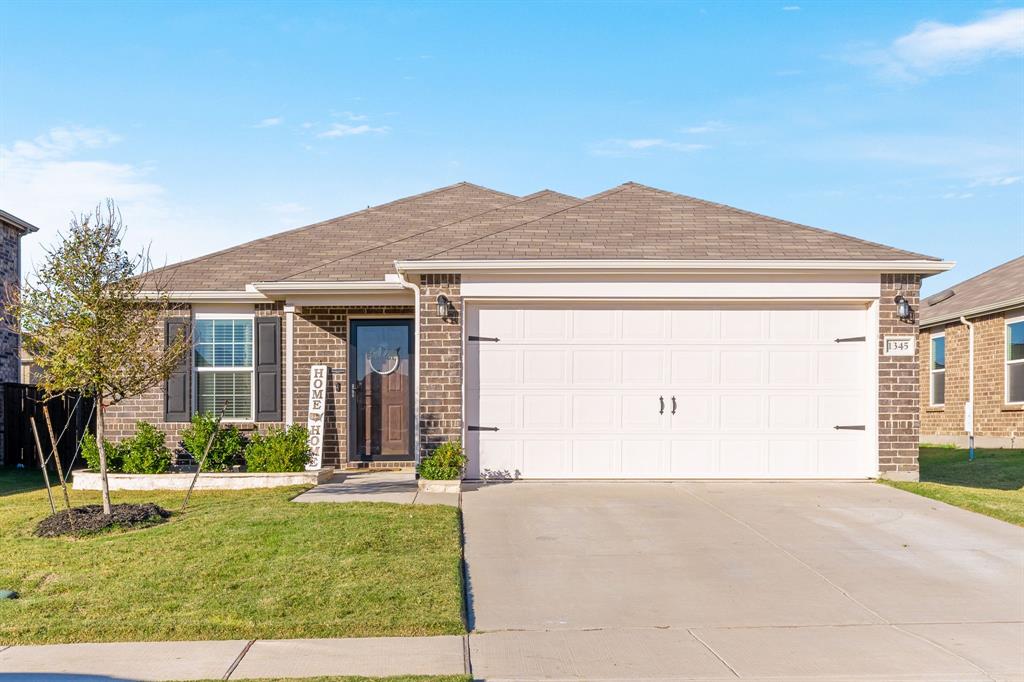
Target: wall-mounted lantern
(903, 310)
(445, 310)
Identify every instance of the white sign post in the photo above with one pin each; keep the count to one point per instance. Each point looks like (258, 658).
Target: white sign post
(899, 346)
(315, 420)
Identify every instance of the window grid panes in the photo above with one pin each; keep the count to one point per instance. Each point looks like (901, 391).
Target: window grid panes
(938, 370)
(1015, 362)
(224, 366)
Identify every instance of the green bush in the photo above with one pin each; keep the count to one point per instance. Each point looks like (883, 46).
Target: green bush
(91, 454)
(146, 452)
(445, 463)
(227, 444)
(279, 450)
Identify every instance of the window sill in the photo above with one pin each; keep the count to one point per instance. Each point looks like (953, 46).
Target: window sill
(1019, 407)
(935, 408)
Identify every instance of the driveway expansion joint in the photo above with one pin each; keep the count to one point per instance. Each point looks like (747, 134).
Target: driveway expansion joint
(712, 652)
(238, 659)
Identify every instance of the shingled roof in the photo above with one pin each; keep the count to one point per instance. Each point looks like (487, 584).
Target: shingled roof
(468, 222)
(1000, 288)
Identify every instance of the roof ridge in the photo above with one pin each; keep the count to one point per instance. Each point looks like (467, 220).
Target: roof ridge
(820, 230)
(344, 216)
(518, 201)
(579, 203)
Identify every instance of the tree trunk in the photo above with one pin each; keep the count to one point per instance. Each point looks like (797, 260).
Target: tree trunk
(103, 455)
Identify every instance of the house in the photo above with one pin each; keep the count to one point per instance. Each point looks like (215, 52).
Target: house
(12, 229)
(635, 333)
(986, 312)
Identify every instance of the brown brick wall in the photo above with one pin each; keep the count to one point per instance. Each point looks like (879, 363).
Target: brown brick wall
(440, 363)
(992, 417)
(898, 389)
(320, 338)
(10, 273)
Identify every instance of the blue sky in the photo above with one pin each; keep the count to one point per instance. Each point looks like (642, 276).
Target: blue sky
(213, 124)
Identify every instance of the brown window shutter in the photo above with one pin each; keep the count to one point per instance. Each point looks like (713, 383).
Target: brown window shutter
(268, 369)
(178, 387)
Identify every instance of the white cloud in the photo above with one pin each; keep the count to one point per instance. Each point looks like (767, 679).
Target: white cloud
(269, 122)
(352, 116)
(56, 175)
(706, 127)
(791, 8)
(934, 48)
(344, 130)
(997, 181)
(957, 195)
(632, 147)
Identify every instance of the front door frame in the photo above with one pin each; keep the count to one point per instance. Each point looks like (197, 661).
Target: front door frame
(390, 320)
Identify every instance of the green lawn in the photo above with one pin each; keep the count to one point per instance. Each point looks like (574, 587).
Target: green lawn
(992, 484)
(236, 565)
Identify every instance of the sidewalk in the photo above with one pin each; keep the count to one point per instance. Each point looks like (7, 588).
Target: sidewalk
(234, 659)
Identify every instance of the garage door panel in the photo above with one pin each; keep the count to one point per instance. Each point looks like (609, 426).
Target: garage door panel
(741, 367)
(595, 412)
(575, 393)
(692, 368)
(694, 325)
(594, 367)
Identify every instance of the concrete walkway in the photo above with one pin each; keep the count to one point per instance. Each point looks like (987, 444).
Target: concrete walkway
(234, 660)
(372, 486)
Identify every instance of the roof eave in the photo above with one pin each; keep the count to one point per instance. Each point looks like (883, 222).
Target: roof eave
(923, 267)
(17, 223)
(987, 309)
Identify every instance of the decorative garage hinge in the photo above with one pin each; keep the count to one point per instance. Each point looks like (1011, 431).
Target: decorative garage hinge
(851, 339)
(851, 427)
(482, 428)
(483, 338)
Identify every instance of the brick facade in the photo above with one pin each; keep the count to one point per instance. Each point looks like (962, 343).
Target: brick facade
(10, 273)
(996, 424)
(320, 338)
(898, 389)
(440, 362)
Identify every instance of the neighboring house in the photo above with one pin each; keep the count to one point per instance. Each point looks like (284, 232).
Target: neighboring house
(635, 333)
(12, 229)
(993, 303)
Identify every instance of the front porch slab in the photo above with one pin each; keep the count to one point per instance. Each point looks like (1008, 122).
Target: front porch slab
(395, 487)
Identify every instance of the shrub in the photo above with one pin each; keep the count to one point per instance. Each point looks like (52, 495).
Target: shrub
(225, 449)
(279, 450)
(91, 454)
(145, 452)
(445, 463)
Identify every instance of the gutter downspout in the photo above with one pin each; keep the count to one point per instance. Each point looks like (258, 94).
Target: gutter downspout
(400, 278)
(969, 408)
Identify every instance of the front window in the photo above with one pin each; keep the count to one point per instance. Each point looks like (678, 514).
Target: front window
(1015, 361)
(938, 370)
(224, 366)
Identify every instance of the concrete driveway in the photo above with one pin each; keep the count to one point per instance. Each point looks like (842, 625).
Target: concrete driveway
(739, 579)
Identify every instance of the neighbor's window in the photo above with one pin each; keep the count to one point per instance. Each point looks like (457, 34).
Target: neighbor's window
(224, 366)
(938, 369)
(1015, 361)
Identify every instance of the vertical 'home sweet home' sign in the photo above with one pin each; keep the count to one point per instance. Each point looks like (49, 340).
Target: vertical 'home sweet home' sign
(315, 418)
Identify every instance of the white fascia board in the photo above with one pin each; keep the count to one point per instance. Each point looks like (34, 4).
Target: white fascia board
(973, 312)
(210, 296)
(314, 288)
(720, 266)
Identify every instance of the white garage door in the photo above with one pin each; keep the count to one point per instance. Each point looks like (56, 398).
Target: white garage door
(615, 392)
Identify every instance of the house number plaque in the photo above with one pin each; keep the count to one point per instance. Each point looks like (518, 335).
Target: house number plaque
(315, 420)
(899, 345)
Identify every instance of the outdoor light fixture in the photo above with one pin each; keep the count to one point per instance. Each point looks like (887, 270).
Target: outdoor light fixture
(902, 308)
(445, 309)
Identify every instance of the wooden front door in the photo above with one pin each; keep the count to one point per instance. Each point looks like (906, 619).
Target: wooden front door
(380, 389)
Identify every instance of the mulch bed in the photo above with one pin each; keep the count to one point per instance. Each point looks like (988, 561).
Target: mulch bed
(91, 519)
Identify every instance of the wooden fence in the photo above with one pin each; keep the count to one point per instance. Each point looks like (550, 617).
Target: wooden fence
(69, 414)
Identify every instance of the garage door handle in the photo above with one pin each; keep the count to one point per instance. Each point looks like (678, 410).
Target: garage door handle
(850, 427)
(673, 404)
(661, 401)
(482, 428)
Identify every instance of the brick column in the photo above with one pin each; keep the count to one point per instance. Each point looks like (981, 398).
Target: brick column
(440, 364)
(899, 398)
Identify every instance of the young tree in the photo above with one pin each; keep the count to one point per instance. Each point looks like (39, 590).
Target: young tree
(90, 317)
